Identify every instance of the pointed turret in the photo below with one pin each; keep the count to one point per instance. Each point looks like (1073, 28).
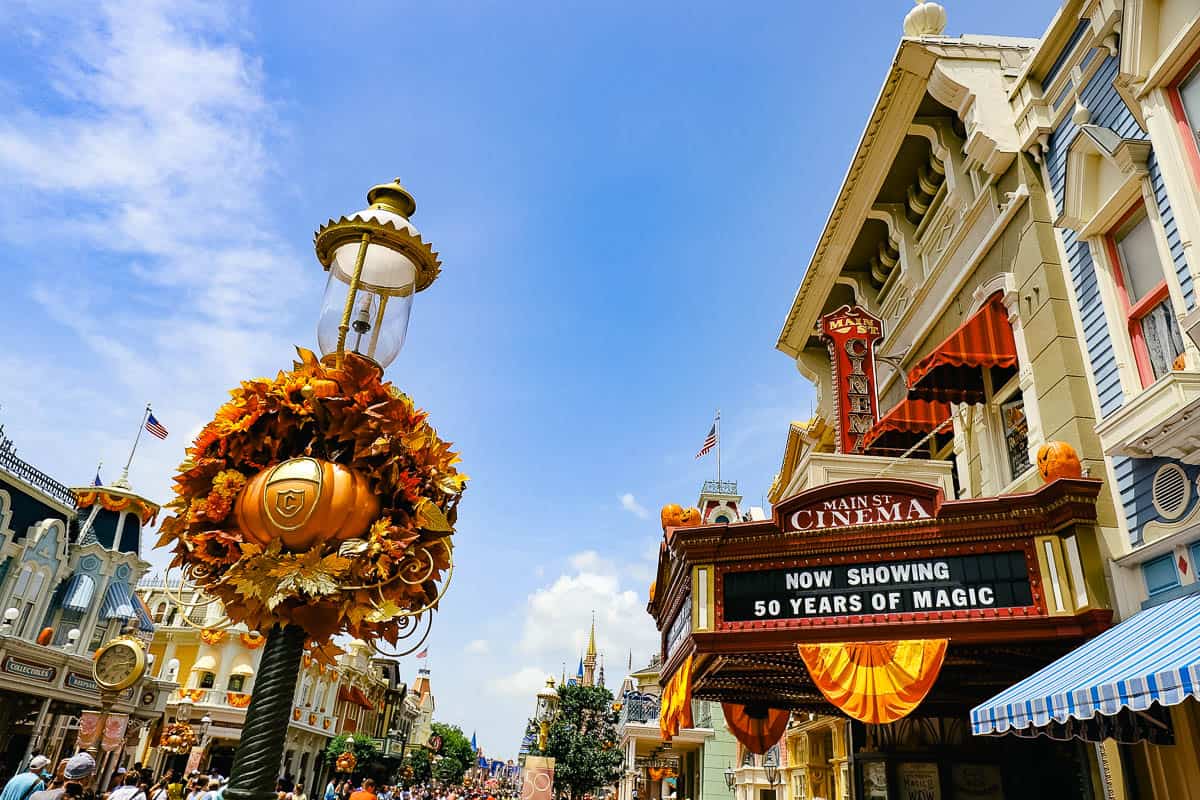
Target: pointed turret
(588, 676)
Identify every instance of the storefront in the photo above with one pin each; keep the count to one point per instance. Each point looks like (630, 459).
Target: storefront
(884, 601)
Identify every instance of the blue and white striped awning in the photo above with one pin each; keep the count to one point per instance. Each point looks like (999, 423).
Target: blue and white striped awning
(119, 602)
(1152, 657)
(79, 593)
(145, 623)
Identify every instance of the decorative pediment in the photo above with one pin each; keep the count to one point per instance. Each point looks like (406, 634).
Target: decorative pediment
(1103, 176)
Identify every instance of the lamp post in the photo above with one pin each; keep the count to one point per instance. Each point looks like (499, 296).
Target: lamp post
(547, 709)
(730, 776)
(377, 262)
(771, 766)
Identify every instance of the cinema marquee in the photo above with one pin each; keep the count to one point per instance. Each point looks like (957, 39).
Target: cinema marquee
(881, 560)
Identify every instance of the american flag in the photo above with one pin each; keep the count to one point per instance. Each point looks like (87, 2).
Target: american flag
(710, 441)
(155, 427)
(424, 653)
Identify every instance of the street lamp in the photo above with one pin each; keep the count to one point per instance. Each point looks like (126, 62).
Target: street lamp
(547, 707)
(376, 261)
(771, 767)
(730, 776)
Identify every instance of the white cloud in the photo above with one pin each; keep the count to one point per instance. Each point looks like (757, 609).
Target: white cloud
(557, 616)
(630, 504)
(523, 683)
(477, 647)
(148, 135)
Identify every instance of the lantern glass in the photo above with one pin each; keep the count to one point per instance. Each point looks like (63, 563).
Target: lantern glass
(380, 311)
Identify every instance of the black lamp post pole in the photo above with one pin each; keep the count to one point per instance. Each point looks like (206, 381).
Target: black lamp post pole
(256, 762)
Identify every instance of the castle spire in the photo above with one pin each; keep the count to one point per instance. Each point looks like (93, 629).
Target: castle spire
(589, 660)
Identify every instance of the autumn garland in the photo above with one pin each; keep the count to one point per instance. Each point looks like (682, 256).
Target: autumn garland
(366, 587)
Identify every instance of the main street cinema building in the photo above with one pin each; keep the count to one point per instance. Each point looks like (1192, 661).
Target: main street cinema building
(917, 563)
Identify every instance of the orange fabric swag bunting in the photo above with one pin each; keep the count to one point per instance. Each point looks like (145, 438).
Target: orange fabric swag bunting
(757, 728)
(875, 682)
(676, 709)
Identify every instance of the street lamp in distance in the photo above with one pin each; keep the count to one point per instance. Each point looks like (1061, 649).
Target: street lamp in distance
(547, 708)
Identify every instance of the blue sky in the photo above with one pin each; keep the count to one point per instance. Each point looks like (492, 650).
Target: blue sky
(625, 196)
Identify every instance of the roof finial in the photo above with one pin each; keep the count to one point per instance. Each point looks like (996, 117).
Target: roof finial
(591, 651)
(925, 19)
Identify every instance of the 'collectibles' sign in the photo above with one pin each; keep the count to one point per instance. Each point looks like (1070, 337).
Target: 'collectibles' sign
(28, 669)
(947, 583)
(859, 509)
(850, 334)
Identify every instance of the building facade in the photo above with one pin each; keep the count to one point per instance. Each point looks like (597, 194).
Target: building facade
(691, 765)
(68, 561)
(1007, 264)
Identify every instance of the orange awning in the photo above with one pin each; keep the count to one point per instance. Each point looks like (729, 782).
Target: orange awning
(952, 373)
(905, 423)
(361, 699)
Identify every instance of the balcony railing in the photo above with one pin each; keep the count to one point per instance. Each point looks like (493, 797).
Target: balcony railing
(639, 710)
(32, 476)
(719, 487)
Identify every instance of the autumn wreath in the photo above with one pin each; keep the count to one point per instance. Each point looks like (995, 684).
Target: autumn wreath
(368, 586)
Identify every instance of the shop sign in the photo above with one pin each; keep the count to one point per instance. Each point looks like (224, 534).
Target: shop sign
(680, 627)
(859, 509)
(28, 669)
(77, 680)
(918, 781)
(851, 334)
(946, 583)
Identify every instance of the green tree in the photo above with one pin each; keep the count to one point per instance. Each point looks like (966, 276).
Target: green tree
(457, 754)
(363, 748)
(583, 741)
(421, 764)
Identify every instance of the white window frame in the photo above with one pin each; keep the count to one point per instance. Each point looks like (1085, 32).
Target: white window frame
(994, 423)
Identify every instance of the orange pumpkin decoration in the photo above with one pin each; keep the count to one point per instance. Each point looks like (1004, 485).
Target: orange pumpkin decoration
(1058, 460)
(690, 518)
(46, 637)
(670, 515)
(304, 501)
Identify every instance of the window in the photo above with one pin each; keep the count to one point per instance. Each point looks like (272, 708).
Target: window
(237, 682)
(69, 620)
(1007, 407)
(1139, 275)
(1186, 103)
(207, 680)
(720, 519)
(1194, 555)
(1160, 574)
(25, 596)
(160, 613)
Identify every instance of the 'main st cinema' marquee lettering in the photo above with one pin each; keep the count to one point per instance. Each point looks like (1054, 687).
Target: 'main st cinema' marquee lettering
(863, 509)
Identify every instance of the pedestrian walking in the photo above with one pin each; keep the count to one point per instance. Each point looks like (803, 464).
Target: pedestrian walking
(23, 785)
(367, 792)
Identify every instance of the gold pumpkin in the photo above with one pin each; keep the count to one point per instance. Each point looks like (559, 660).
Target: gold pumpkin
(690, 518)
(1058, 460)
(304, 501)
(670, 515)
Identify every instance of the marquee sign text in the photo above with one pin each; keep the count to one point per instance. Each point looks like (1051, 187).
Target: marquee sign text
(851, 334)
(947, 583)
(859, 509)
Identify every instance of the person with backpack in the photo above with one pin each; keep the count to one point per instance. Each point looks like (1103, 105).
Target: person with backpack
(24, 784)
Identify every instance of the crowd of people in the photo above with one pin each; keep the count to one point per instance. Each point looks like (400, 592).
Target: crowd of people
(73, 779)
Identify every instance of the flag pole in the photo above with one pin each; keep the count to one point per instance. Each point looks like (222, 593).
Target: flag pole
(123, 481)
(718, 445)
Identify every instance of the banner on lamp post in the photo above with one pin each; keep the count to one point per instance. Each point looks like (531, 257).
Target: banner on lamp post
(538, 774)
(113, 738)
